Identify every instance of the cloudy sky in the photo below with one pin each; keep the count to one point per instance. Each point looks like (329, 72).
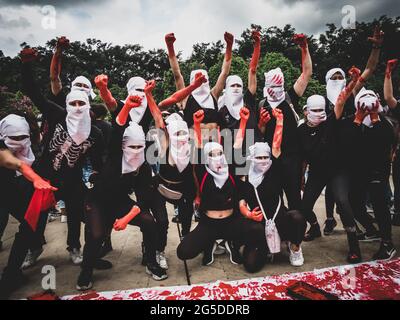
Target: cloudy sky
(147, 21)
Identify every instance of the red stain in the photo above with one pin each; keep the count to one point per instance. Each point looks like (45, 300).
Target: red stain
(88, 296)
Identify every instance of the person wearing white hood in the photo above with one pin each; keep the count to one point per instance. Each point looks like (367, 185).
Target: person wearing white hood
(80, 83)
(372, 141)
(218, 206)
(336, 77)
(234, 97)
(260, 201)
(125, 171)
(319, 151)
(204, 98)
(72, 139)
(276, 97)
(393, 104)
(17, 183)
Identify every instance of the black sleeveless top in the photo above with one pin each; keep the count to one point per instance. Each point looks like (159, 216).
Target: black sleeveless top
(192, 106)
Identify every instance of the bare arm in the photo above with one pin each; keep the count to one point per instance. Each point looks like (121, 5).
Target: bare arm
(55, 66)
(173, 61)
(302, 82)
(388, 87)
(226, 67)
(377, 41)
(252, 85)
(346, 93)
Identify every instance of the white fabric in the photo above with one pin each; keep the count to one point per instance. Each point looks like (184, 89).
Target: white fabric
(179, 147)
(316, 102)
(233, 97)
(78, 118)
(334, 87)
(132, 159)
(369, 99)
(216, 166)
(274, 89)
(81, 79)
(133, 84)
(14, 126)
(203, 93)
(258, 168)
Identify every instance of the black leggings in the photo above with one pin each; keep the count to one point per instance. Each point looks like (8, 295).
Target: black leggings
(185, 210)
(396, 181)
(377, 187)
(329, 202)
(291, 180)
(234, 228)
(340, 185)
(160, 215)
(291, 226)
(96, 225)
(3, 221)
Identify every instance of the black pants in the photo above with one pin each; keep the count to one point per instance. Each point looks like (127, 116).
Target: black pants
(160, 214)
(97, 223)
(291, 226)
(329, 202)
(396, 181)
(376, 183)
(234, 228)
(291, 180)
(340, 186)
(185, 209)
(74, 195)
(3, 221)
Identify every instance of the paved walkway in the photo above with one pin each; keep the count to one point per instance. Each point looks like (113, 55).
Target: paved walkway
(128, 273)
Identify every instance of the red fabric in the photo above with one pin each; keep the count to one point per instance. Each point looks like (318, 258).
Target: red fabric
(42, 200)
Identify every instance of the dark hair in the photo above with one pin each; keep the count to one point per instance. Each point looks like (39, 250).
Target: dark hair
(99, 110)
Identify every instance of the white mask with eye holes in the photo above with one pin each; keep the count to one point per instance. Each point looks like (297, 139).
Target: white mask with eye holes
(16, 126)
(233, 96)
(77, 85)
(133, 158)
(259, 167)
(334, 87)
(203, 93)
(79, 123)
(314, 116)
(216, 166)
(135, 87)
(179, 146)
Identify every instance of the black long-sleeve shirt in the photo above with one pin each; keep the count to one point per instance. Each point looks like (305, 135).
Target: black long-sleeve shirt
(62, 158)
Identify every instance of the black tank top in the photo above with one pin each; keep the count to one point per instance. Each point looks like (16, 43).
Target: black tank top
(192, 106)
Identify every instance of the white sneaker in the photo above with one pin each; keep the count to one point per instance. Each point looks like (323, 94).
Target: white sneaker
(161, 260)
(31, 258)
(76, 256)
(296, 258)
(64, 219)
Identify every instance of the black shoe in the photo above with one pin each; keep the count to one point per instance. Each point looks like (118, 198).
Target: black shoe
(395, 220)
(106, 248)
(330, 225)
(208, 255)
(369, 236)
(85, 280)
(354, 255)
(234, 254)
(313, 233)
(101, 264)
(157, 273)
(386, 252)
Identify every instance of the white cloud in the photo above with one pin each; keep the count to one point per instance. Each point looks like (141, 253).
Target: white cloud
(147, 21)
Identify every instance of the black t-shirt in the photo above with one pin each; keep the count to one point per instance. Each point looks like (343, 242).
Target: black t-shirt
(192, 106)
(371, 151)
(269, 191)
(318, 147)
(62, 159)
(16, 191)
(290, 142)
